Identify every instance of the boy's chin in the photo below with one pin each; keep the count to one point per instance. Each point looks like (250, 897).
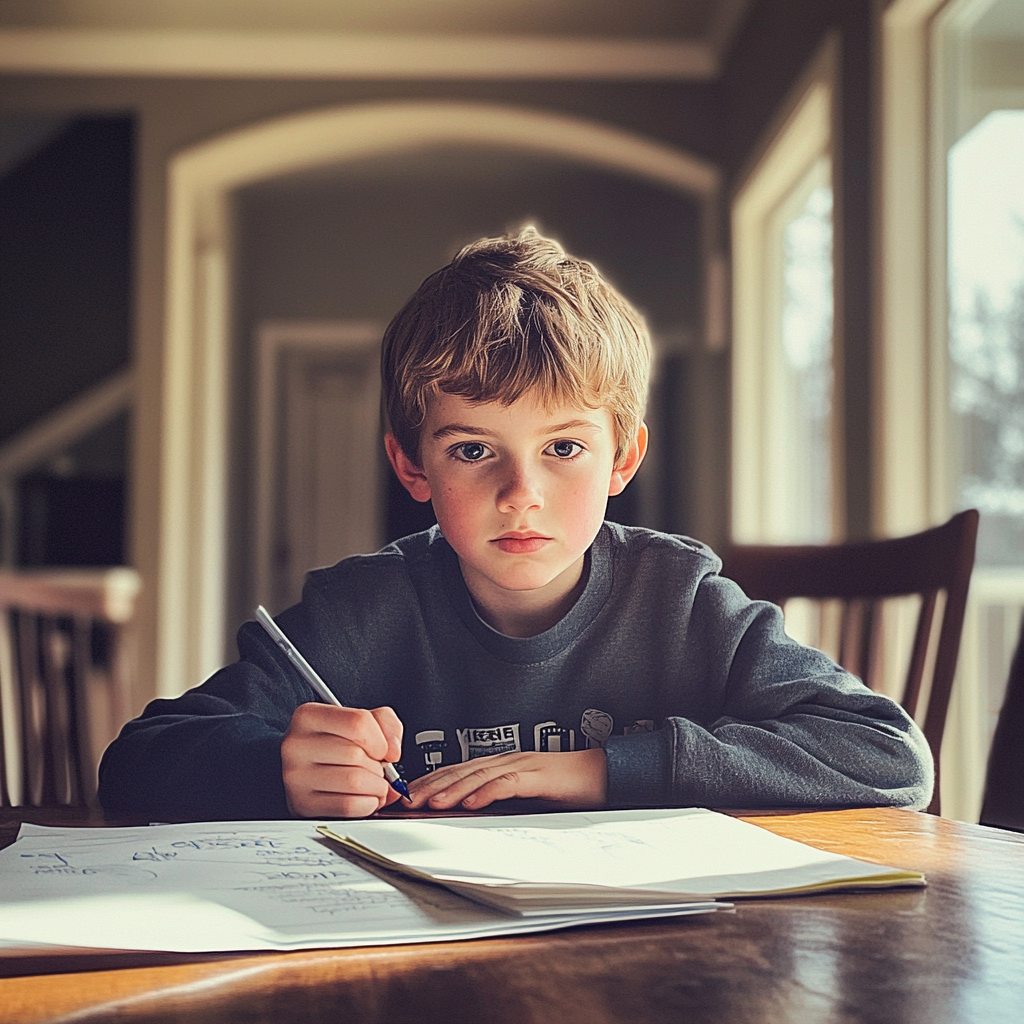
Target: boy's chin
(513, 572)
(522, 582)
(534, 580)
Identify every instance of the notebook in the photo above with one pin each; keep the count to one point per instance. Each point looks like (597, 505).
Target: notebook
(588, 860)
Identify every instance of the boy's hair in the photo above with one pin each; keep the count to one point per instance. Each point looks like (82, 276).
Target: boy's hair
(509, 315)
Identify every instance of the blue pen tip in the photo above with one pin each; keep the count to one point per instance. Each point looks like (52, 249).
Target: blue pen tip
(400, 786)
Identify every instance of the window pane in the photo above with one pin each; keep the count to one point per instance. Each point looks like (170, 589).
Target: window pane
(802, 483)
(986, 328)
(786, 470)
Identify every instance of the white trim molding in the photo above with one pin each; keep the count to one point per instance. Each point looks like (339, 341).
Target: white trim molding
(190, 589)
(908, 374)
(228, 54)
(801, 135)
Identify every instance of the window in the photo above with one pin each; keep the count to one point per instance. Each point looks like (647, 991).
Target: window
(985, 293)
(978, 282)
(950, 351)
(786, 472)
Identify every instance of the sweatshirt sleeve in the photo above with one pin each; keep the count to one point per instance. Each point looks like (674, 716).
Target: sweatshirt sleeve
(215, 752)
(790, 727)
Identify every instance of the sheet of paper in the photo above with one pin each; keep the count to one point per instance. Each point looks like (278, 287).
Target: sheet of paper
(678, 850)
(224, 886)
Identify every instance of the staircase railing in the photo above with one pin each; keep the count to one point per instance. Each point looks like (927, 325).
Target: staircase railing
(50, 436)
(66, 669)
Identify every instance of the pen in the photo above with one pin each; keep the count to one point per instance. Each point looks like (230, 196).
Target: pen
(323, 691)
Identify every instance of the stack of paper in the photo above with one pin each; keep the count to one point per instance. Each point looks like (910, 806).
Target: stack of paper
(588, 861)
(222, 886)
(278, 885)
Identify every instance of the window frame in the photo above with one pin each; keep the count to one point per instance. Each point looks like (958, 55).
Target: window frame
(804, 132)
(913, 474)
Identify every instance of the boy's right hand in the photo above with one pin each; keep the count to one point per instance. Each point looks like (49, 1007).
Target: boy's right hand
(331, 759)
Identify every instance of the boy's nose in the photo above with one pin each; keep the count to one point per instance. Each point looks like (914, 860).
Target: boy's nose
(520, 492)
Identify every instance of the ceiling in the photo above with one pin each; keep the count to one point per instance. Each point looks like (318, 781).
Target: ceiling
(461, 39)
(710, 22)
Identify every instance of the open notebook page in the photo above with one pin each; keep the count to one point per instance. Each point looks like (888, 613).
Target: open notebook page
(544, 859)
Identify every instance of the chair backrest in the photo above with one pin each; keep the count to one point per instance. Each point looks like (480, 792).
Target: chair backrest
(65, 677)
(861, 575)
(1003, 803)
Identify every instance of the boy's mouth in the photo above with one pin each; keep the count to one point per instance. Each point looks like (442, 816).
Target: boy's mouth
(521, 543)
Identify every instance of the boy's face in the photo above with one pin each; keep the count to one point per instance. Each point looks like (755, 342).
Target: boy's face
(519, 492)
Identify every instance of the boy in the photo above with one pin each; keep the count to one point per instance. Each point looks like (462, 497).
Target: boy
(523, 647)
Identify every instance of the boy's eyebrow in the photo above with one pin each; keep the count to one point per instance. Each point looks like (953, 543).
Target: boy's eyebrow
(458, 428)
(557, 428)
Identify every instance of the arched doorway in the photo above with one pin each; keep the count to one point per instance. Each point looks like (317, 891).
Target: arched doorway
(196, 379)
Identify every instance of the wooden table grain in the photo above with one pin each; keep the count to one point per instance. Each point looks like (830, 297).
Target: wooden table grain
(953, 952)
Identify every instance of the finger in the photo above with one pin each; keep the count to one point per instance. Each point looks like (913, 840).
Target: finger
(316, 717)
(490, 779)
(504, 787)
(326, 749)
(391, 726)
(334, 805)
(345, 780)
(426, 786)
(342, 790)
(354, 724)
(443, 777)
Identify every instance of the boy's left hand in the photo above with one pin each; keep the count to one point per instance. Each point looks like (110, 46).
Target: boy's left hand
(578, 777)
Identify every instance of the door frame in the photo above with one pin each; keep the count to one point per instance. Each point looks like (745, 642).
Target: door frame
(192, 561)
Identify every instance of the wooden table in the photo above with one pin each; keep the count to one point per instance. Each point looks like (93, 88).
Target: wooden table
(951, 952)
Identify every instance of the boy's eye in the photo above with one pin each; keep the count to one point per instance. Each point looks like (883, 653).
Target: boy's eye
(565, 449)
(471, 451)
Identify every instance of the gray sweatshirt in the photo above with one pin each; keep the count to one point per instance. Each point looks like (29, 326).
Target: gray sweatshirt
(695, 692)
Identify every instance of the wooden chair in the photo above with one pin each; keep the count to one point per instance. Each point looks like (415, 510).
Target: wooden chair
(65, 672)
(1003, 802)
(860, 576)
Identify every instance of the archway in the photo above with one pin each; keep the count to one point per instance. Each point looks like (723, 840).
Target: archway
(194, 450)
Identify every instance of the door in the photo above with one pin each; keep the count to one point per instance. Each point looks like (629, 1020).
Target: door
(319, 459)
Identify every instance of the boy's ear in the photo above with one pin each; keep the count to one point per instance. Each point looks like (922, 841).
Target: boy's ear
(625, 470)
(413, 479)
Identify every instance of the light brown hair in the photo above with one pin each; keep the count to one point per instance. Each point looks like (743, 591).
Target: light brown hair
(509, 315)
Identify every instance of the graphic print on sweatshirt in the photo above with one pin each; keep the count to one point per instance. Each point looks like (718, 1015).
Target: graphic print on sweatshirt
(548, 737)
(596, 726)
(552, 738)
(431, 743)
(498, 739)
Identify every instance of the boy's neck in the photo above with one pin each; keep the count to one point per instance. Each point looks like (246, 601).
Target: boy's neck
(526, 613)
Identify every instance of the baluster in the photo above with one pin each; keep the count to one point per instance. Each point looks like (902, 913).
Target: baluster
(79, 735)
(55, 660)
(10, 710)
(38, 782)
